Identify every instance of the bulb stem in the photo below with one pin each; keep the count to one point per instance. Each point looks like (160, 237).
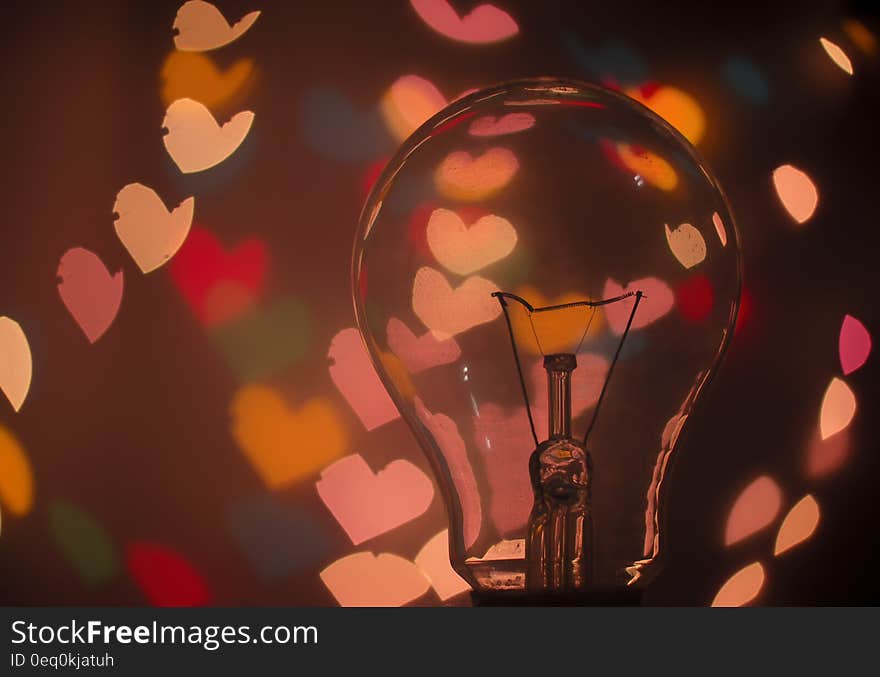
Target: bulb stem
(559, 367)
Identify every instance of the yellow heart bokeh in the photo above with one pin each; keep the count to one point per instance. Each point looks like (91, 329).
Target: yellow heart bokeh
(285, 445)
(190, 75)
(16, 477)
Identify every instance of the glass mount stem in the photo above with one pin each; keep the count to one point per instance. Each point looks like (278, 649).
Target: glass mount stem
(559, 542)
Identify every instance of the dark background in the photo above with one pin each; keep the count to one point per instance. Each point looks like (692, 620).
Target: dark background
(135, 429)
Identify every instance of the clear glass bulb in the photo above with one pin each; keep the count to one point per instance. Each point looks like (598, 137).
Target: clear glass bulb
(568, 222)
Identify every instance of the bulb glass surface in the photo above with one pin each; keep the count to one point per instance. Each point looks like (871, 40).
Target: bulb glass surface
(556, 191)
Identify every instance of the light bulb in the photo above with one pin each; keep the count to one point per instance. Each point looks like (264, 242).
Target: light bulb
(555, 243)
